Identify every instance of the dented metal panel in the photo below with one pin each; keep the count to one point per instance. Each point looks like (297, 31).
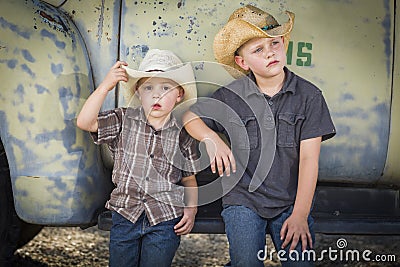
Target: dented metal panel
(57, 174)
(98, 23)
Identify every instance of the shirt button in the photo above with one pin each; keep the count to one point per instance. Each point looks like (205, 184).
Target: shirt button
(151, 155)
(144, 200)
(269, 119)
(270, 103)
(147, 178)
(156, 132)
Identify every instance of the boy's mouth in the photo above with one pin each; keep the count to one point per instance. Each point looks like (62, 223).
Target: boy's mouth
(156, 106)
(272, 63)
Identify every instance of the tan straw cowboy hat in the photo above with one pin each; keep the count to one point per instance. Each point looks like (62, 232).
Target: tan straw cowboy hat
(243, 25)
(162, 64)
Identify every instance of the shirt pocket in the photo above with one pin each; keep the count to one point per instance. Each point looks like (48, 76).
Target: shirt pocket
(287, 135)
(239, 127)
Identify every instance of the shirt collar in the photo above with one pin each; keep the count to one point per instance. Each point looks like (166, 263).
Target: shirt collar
(288, 86)
(139, 115)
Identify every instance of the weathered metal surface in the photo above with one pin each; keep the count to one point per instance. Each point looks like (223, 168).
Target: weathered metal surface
(346, 52)
(56, 171)
(391, 173)
(48, 58)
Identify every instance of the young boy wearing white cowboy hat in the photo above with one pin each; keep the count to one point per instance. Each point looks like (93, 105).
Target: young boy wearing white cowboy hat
(276, 184)
(149, 210)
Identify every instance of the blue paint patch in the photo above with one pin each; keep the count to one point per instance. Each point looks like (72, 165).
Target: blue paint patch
(27, 70)
(12, 63)
(41, 89)
(352, 113)
(22, 118)
(60, 185)
(342, 129)
(346, 97)
(69, 137)
(78, 85)
(20, 92)
(46, 34)
(31, 107)
(386, 23)
(27, 55)
(60, 44)
(57, 69)
(14, 28)
(46, 136)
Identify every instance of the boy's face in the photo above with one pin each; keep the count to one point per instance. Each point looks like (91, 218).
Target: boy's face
(265, 57)
(158, 96)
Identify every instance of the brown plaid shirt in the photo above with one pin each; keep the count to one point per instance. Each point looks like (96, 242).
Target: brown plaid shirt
(148, 164)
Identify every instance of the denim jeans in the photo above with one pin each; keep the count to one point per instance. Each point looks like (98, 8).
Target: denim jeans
(246, 232)
(139, 244)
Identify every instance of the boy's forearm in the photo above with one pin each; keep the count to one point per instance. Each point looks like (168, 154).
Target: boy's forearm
(308, 175)
(87, 118)
(195, 126)
(191, 191)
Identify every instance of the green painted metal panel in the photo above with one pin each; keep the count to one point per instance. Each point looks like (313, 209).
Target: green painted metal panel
(56, 170)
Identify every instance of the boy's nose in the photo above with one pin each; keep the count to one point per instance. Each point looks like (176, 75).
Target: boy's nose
(158, 93)
(270, 53)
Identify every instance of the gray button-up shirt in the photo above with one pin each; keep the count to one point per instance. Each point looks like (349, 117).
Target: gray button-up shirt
(265, 135)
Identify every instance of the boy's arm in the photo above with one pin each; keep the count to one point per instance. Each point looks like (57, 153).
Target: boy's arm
(220, 154)
(185, 225)
(87, 118)
(295, 228)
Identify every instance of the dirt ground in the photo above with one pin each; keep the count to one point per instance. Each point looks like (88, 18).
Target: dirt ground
(75, 247)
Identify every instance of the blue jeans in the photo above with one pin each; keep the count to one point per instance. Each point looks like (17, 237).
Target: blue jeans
(139, 244)
(246, 232)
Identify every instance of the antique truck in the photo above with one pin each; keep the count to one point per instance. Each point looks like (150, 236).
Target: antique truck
(54, 53)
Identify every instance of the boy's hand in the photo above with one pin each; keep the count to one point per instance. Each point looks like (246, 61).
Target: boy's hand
(185, 225)
(295, 229)
(115, 75)
(221, 156)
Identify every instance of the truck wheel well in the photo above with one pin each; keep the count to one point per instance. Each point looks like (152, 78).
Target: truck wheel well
(14, 232)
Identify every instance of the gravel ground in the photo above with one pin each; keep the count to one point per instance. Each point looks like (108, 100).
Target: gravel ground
(72, 246)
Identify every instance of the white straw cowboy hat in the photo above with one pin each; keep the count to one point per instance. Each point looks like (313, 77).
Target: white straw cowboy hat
(243, 25)
(162, 64)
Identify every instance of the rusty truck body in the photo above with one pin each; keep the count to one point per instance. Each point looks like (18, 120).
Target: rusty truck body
(53, 54)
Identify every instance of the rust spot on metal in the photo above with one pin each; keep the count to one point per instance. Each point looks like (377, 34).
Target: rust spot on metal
(34, 177)
(46, 16)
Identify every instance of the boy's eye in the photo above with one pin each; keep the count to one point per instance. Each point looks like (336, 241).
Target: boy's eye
(147, 88)
(166, 88)
(258, 50)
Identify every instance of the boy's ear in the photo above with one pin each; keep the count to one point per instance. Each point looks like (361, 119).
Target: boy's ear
(137, 93)
(239, 60)
(180, 95)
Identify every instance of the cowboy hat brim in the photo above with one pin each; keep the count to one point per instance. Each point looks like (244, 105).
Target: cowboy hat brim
(182, 75)
(237, 32)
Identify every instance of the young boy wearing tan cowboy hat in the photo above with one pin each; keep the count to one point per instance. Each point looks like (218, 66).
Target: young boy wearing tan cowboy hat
(284, 119)
(152, 153)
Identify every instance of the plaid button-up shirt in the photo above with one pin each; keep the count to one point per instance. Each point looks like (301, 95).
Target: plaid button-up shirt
(148, 164)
